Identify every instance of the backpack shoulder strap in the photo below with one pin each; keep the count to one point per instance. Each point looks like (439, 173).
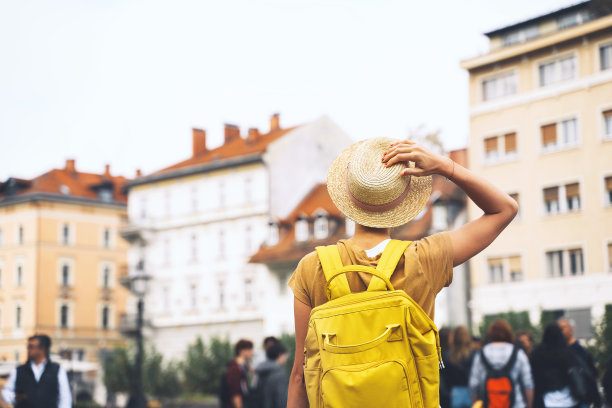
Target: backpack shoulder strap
(388, 262)
(329, 256)
(485, 362)
(508, 367)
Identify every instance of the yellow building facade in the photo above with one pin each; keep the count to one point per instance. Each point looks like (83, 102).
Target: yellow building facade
(60, 259)
(541, 129)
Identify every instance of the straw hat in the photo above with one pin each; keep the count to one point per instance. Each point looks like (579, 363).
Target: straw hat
(371, 194)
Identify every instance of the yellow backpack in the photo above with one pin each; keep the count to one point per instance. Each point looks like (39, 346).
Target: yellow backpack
(376, 348)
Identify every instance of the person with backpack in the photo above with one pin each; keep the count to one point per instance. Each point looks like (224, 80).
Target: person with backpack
(552, 362)
(272, 379)
(363, 308)
(501, 376)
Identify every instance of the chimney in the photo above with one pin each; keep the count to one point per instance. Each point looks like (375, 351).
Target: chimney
(70, 166)
(232, 132)
(274, 122)
(138, 173)
(107, 170)
(199, 141)
(253, 135)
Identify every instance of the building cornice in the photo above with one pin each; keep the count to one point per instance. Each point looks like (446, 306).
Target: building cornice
(61, 199)
(538, 43)
(196, 169)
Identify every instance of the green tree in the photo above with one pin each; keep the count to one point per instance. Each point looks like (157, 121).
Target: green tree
(601, 347)
(203, 366)
(288, 340)
(516, 320)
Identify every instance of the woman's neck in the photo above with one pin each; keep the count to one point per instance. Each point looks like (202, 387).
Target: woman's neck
(368, 237)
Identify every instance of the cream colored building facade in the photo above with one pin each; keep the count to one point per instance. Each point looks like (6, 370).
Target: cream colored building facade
(541, 129)
(60, 257)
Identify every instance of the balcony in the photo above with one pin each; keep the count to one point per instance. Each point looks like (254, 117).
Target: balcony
(128, 324)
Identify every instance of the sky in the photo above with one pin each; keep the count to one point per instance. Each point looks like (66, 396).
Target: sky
(123, 82)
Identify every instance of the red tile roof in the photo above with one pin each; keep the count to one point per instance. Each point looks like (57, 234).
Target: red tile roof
(66, 183)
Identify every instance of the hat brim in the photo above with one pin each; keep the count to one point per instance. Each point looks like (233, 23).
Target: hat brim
(406, 210)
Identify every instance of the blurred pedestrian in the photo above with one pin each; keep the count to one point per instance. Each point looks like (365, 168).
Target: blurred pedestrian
(234, 383)
(500, 357)
(607, 383)
(524, 340)
(272, 379)
(586, 360)
(458, 368)
(551, 362)
(260, 356)
(40, 382)
(444, 333)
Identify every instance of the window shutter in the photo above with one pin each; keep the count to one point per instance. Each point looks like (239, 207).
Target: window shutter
(549, 134)
(490, 144)
(609, 183)
(515, 264)
(510, 142)
(551, 194)
(572, 190)
(607, 114)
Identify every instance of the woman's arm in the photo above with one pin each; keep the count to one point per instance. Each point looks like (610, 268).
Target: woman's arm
(498, 207)
(297, 397)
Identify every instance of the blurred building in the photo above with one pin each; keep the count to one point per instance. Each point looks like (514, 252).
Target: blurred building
(316, 221)
(194, 225)
(60, 259)
(541, 129)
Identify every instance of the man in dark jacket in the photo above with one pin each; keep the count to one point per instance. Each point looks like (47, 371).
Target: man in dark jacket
(39, 383)
(272, 378)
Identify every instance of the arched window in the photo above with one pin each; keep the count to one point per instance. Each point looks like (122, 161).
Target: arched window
(321, 227)
(301, 229)
(273, 234)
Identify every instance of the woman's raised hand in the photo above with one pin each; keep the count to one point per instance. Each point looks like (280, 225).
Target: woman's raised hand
(426, 162)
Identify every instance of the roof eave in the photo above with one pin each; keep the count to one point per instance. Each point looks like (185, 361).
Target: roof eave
(59, 198)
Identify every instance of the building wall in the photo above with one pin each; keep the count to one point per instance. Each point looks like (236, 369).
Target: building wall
(43, 291)
(533, 168)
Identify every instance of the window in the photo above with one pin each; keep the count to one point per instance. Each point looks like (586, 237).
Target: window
(553, 203)
(105, 317)
(607, 126)
(439, 221)
(65, 234)
(64, 316)
(551, 200)
(499, 86)
(106, 277)
(572, 19)
(248, 194)
(273, 234)
(194, 199)
(516, 268)
(221, 252)
(605, 57)
(18, 316)
(515, 197)
(1, 237)
(567, 262)
(20, 235)
(610, 257)
(608, 190)
(521, 35)
(321, 226)
(193, 293)
(248, 243)
(65, 275)
(559, 135)
(501, 147)
(349, 225)
(560, 70)
(496, 270)
(143, 207)
(221, 295)
(106, 238)
(19, 275)
(301, 229)
(248, 291)
(221, 193)
(105, 195)
(194, 247)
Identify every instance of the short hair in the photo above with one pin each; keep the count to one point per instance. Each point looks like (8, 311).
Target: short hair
(243, 345)
(269, 341)
(275, 351)
(44, 341)
(571, 322)
(501, 331)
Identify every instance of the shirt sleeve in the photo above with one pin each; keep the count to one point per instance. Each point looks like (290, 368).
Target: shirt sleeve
(234, 377)
(65, 396)
(525, 371)
(436, 259)
(476, 376)
(8, 391)
(299, 280)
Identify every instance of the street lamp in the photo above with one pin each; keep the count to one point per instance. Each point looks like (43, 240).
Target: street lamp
(139, 284)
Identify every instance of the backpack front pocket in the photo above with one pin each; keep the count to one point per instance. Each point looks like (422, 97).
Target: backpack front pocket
(373, 385)
(311, 381)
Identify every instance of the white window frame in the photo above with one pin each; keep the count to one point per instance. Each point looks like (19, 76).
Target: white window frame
(193, 290)
(111, 237)
(349, 226)
(560, 145)
(273, 237)
(71, 233)
(498, 77)
(501, 156)
(606, 257)
(556, 60)
(111, 274)
(598, 47)
(520, 196)
(302, 229)
(110, 317)
(505, 267)
(20, 234)
(605, 137)
(1, 237)
(607, 202)
(19, 263)
(70, 316)
(194, 254)
(562, 196)
(249, 291)
(321, 225)
(566, 260)
(60, 271)
(18, 328)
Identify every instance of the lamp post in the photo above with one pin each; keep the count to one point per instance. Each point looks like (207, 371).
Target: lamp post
(139, 284)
